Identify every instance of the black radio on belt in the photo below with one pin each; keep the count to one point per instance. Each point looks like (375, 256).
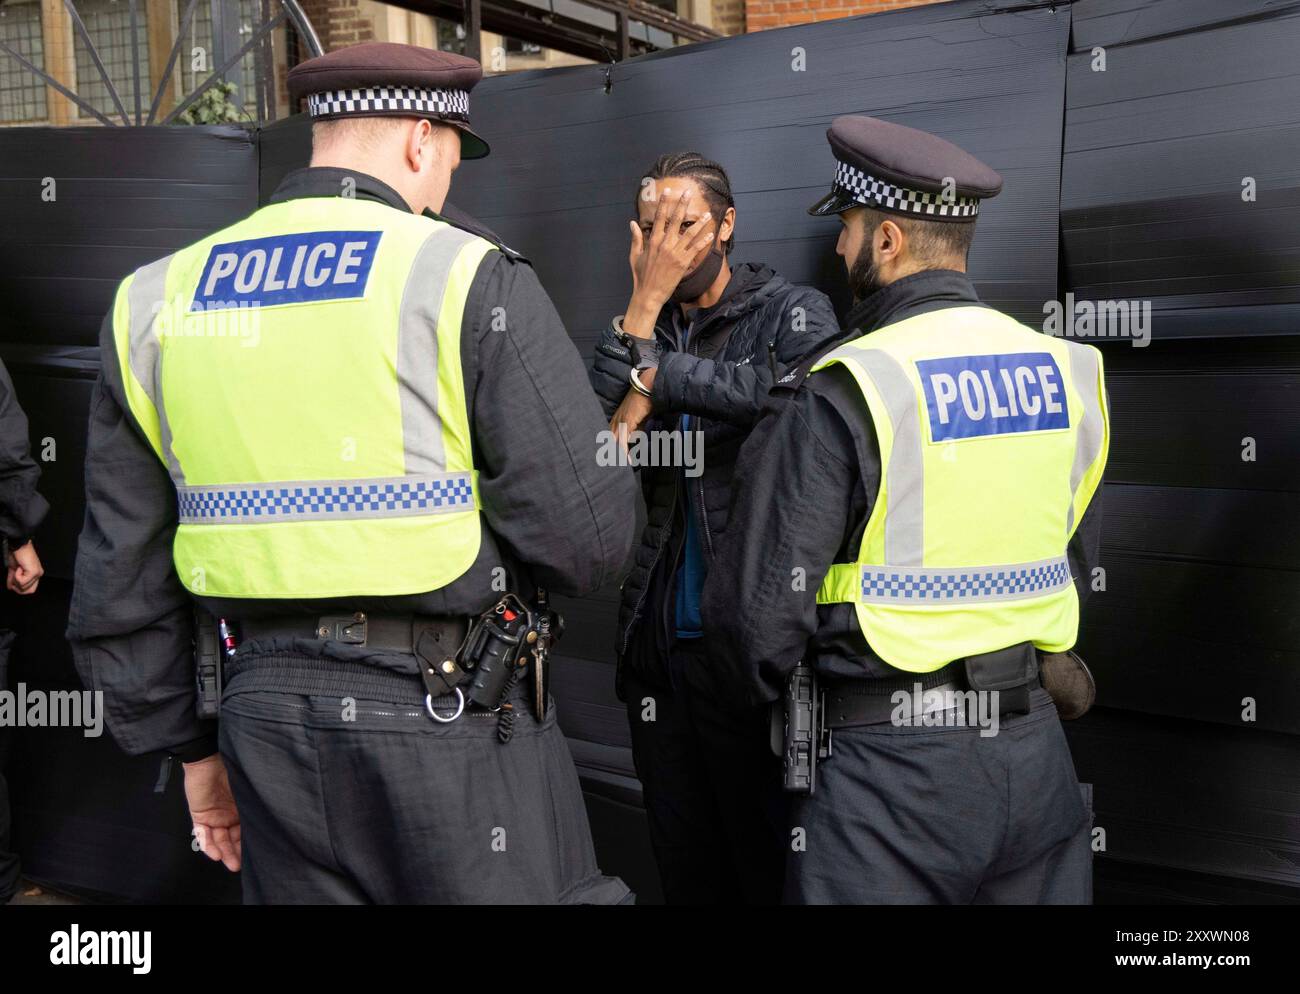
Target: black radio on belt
(799, 732)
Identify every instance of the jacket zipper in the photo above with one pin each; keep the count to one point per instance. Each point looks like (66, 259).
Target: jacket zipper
(702, 516)
(702, 519)
(645, 590)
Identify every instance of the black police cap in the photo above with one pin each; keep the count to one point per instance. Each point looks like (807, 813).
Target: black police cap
(894, 168)
(385, 79)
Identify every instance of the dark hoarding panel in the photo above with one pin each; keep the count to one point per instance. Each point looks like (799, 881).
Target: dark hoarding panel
(85, 207)
(1194, 797)
(1125, 22)
(85, 815)
(1174, 111)
(569, 145)
(1180, 180)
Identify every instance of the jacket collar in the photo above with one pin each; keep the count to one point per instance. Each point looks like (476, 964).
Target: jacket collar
(926, 290)
(328, 181)
(749, 287)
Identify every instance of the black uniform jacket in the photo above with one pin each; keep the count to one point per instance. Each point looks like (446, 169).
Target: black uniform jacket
(551, 515)
(805, 487)
(21, 507)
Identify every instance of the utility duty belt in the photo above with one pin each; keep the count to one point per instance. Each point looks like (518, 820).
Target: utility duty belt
(803, 720)
(474, 662)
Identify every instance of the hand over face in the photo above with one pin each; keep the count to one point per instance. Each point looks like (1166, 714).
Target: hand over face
(682, 230)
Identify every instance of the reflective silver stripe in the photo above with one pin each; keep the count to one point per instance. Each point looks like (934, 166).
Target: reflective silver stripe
(966, 585)
(146, 297)
(377, 497)
(1087, 445)
(417, 349)
(905, 474)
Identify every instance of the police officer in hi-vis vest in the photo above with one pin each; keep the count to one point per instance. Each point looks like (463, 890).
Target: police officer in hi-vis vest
(357, 435)
(918, 524)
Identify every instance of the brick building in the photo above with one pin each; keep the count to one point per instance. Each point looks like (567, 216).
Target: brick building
(763, 14)
(133, 40)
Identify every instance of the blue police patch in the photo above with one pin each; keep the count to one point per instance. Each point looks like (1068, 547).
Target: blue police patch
(973, 395)
(286, 269)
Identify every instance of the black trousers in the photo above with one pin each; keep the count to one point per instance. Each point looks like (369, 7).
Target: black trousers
(711, 787)
(9, 868)
(915, 815)
(349, 793)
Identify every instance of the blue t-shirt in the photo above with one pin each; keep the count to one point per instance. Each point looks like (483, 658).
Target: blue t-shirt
(690, 576)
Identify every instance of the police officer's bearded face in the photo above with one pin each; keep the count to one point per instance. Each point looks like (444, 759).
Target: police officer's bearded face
(875, 250)
(856, 246)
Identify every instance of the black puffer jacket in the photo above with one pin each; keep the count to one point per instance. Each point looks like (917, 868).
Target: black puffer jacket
(721, 380)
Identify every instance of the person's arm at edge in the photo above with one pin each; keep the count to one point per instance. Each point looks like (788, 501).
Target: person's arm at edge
(22, 509)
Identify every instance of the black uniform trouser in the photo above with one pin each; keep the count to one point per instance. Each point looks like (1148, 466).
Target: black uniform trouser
(348, 792)
(9, 868)
(915, 815)
(711, 788)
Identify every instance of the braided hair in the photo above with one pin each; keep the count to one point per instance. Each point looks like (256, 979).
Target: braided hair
(712, 178)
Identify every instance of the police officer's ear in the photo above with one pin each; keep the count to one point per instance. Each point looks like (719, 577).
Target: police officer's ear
(890, 241)
(418, 146)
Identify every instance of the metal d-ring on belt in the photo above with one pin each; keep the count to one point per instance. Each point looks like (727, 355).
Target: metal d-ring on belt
(460, 707)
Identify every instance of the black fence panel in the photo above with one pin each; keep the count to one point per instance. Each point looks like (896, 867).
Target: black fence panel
(1181, 189)
(83, 208)
(1180, 180)
(569, 145)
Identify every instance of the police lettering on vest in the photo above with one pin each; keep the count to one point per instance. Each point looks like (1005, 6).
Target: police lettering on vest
(976, 395)
(287, 269)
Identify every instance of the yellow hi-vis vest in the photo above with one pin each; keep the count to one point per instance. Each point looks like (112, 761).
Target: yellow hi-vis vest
(992, 441)
(299, 374)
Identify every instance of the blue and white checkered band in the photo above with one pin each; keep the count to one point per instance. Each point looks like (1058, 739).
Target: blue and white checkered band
(332, 499)
(998, 583)
(872, 191)
(397, 100)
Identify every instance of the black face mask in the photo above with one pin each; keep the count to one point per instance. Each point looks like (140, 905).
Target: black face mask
(699, 279)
